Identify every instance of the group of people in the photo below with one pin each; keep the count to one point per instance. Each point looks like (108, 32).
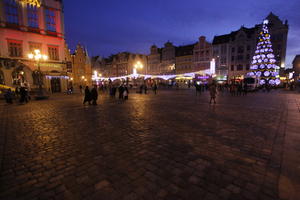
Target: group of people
(238, 89)
(20, 93)
(90, 95)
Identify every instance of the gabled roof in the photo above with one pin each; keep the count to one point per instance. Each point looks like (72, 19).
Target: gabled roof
(184, 50)
(231, 37)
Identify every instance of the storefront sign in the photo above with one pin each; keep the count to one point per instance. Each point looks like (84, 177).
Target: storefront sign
(48, 65)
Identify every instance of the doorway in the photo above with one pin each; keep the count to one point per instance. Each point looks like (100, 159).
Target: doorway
(55, 85)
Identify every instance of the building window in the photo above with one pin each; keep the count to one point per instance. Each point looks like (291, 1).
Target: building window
(232, 58)
(248, 56)
(33, 46)
(240, 49)
(32, 14)
(53, 52)
(232, 67)
(247, 67)
(240, 57)
(15, 48)
(239, 68)
(248, 47)
(50, 20)
(232, 49)
(11, 11)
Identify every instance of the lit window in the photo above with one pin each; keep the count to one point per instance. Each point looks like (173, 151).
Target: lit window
(32, 14)
(33, 46)
(11, 11)
(15, 48)
(50, 20)
(53, 52)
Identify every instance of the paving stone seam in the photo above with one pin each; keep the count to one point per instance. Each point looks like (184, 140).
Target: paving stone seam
(277, 139)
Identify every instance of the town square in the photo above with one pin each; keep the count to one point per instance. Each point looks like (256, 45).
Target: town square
(109, 100)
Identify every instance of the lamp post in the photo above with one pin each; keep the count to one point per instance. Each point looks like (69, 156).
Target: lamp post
(37, 56)
(138, 65)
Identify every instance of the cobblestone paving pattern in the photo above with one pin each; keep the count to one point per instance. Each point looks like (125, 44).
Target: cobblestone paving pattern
(173, 145)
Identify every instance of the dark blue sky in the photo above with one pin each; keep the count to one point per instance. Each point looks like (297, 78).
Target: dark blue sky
(111, 26)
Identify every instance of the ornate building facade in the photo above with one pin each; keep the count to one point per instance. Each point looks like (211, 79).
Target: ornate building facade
(122, 64)
(81, 73)
(184, 59)
(168, 54)
(154, 60)
(27, 27)
(172, 59)
(234, 51)
(202, 54)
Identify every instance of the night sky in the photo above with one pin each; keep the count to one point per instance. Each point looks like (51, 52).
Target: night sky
(111, 26)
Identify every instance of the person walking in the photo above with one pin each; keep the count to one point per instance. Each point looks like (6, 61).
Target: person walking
(17, 91)
(155, 88)
(114, 91)
(87, 95)
(198, 89)
(94, 95)
(121, 90)
(125, 93)
(141, 89)
(145, 88)
(239, 89)
(23, 95)
(213, 93)
(8, 96)
(80, 89)
(245, 89)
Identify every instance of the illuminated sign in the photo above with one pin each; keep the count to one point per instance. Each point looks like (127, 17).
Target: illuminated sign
(52, 65)
(212, 66)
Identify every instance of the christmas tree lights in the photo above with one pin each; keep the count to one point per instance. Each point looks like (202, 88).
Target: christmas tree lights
(263, 63)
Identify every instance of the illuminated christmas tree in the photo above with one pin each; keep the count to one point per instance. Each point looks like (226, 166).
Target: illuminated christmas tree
(263, 63)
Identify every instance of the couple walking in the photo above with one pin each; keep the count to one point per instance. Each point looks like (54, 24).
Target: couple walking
(90, 95)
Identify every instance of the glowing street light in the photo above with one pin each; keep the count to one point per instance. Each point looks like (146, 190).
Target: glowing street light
(138, 65)
(37, 56)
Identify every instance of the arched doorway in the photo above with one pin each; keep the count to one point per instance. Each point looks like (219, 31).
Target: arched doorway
(18, 76)
(2, 77)
(37, 77)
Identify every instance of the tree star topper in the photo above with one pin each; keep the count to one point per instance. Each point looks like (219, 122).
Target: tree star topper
(36, 3)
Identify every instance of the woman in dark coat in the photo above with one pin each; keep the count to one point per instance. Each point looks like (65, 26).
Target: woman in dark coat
(87, 95)
(94, 95)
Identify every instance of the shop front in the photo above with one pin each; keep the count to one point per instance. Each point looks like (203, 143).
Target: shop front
(24, 73)
(54, 76)
(237, 79)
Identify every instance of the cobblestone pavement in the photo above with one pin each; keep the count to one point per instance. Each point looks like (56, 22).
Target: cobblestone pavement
(172, 145)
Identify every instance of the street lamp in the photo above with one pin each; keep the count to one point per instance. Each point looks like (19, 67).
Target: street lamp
(138, 65)
(37, 56)
(96, 77)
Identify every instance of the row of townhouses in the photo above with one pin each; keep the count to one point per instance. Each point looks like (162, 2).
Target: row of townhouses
(36, 28)
(231, 52)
